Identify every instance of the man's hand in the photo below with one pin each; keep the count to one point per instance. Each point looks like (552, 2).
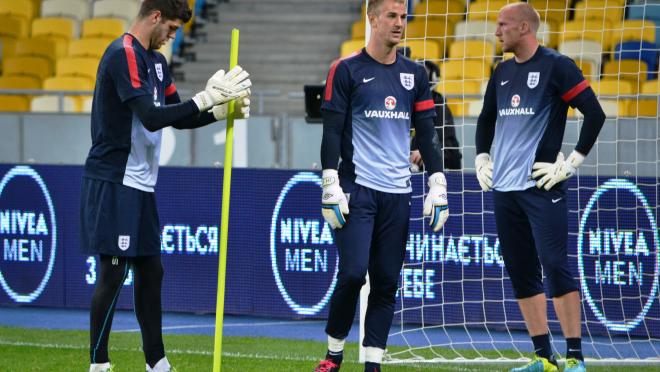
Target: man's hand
(435, 204)
(550, 174)
(241, 110)
(484, 167)
(222, 88)
(334, 205)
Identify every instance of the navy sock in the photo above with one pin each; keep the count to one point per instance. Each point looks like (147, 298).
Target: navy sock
(542, 347)
(335, 356)
(574, 348)
(371, 367)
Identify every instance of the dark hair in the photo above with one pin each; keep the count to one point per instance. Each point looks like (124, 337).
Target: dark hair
(170, 9)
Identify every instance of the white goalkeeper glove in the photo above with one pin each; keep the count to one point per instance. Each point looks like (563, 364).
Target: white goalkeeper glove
(241, 110)
(222, 88)
(334, 205)
(550, 174)
(435, 204)
(484, 167)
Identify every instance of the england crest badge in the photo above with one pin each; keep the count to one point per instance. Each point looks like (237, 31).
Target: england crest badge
(407, 80)
(124, 242)
(159, 71)
(533, 79)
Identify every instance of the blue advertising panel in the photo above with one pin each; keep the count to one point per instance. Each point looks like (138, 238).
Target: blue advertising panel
(282, 260)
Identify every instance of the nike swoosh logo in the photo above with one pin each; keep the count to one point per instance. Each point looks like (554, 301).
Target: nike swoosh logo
(504, 82)
(365, 80)
(554, 201)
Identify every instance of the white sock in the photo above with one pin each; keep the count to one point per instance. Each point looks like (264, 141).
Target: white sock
(373, 354)
(335, 345)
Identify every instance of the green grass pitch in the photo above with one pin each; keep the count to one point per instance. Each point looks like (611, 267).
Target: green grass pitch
(24, 350)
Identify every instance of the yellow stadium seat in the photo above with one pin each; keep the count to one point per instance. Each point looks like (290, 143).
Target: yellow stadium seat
(551, 11)
(349, 47)
(633, 30)
(453, 10)
(55, 27)
(600, 10)
(472, 49)
(609, 91)
(77, 67)
(77, 10)
(103, 27)
(17, 8)
(36, 48)
(11, 27)
(430, 28)
(486, 9)
(358, 29)
(68, 83)
(465, 70)
(91, 47)
(124, 9)
(626, 69)
(598, 31)
(458, 87)
(18, 103)
(460, 107)
(648, 107)
(36, 67)
(423, 49)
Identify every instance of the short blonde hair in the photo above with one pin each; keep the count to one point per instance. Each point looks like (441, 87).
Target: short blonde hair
(374, 6)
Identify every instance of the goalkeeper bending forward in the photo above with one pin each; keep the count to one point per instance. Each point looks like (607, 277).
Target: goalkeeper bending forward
(524, 110)
(134, 99)
(371, 99)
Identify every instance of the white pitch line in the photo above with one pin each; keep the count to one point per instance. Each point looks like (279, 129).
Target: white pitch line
(202, 352)
(193, 326)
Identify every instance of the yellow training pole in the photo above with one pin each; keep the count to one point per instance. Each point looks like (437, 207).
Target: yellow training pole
(224, 222)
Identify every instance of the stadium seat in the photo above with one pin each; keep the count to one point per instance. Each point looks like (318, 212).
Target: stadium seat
(36, 48)
(55, 27)
(453, 10)
(625, 69)
(486, 9)
(423, 49)
(12, 27)
(90, 47)
(17, 8)
(639, 51)
(610, 92)
(431, 28)
(70, 103)
(52, 104)
(472, 50)
(77, 10)
(124, 9)
(349, 47)
(36, 67)
(103, 28)
(551, 11)
(634, 29)
(598, 31)
(77, 67)
(465, 70)
(584, 52)
(458, 87)
(479, 30)
(19, 103)
(600, 10)
(358, 29)
(648, 107)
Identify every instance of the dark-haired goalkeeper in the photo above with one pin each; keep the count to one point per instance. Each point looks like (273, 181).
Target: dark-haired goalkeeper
(524, 111)
(134, 99)
(371, 100)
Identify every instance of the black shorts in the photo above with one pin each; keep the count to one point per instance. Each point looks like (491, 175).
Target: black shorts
(118, 220)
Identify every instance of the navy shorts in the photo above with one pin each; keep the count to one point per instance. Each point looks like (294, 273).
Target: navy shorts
(532, 226)
(118, 220)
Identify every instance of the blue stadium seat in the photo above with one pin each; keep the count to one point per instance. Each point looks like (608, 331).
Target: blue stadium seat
(639, 50)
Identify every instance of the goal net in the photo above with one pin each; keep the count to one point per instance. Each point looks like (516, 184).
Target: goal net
(455, 302)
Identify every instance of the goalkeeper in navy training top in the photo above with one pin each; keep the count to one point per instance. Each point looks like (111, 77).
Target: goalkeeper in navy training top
(524, 112)
(134, 99)
(371, 99)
